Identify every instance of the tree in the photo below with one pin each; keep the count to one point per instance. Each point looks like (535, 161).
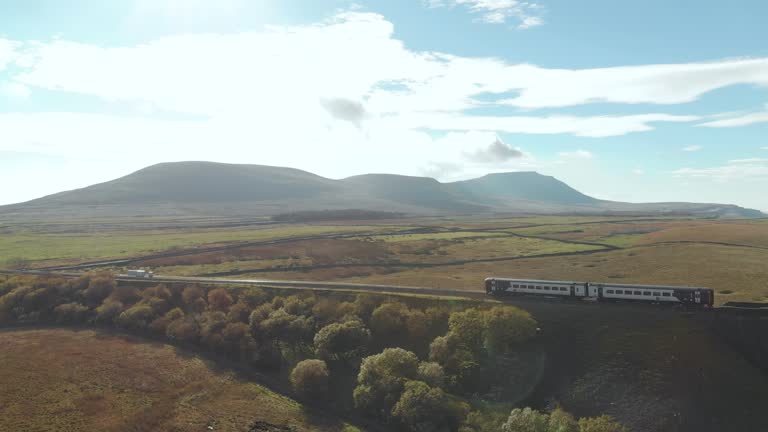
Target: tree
(71, 313)
(422, 408)
(526, 420)
(190, 294)
(466, 328)
(382, 377)
(561, 421)
(219, 299)
(183, 329)
(310, 378)
(137, 317)
(100, 285)
(345, 341)
(432, 374)
(603, 423)
(108, 312)
(506, 326)
(459, 363)
(365, 305)
(239, 313)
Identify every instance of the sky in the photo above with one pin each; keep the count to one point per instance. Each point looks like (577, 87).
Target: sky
(631, 101)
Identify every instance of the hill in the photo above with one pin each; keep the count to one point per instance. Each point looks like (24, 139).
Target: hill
(216, 189)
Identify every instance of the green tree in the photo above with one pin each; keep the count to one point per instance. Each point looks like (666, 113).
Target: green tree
(432, 374)
(561, 421)
(345, 341)
(466, 328)
(108, 312)
(526, 420)
(506, 326)
(310, 378)
(603, 423)
(422, 408)
(71, 313)
(382, 377)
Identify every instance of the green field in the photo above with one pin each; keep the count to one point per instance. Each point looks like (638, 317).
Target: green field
(39, 247)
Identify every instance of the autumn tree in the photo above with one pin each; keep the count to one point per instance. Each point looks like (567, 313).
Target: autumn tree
(219, 299)
(310, 378)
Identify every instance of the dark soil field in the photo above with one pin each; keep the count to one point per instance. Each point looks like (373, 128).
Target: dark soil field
(63, 380)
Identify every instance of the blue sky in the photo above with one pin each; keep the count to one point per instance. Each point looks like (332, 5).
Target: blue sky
(632, 101)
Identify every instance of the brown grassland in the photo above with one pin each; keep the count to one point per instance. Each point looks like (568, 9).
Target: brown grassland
(64, 380)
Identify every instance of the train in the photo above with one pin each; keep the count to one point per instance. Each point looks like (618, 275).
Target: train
(598, 291)
(139, 274)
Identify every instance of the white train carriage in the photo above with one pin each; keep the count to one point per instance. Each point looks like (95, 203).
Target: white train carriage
(602, 291)
(536, 287)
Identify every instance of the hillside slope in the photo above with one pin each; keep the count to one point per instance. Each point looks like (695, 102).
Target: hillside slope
(207, 188)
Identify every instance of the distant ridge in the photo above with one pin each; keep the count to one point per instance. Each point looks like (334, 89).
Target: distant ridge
(209, 188)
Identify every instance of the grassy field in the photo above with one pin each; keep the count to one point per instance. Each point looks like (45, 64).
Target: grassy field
(727, 255)
(62, 380)
(74, 247)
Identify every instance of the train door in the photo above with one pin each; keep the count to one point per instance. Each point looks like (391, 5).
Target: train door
(581, 290)
(593, 290)
(573, 290)
(697, 296)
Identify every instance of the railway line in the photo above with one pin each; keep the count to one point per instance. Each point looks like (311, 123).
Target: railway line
(750, 308)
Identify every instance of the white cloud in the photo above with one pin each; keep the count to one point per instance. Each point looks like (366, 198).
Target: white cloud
(263, 97)
(742, 120)
(499, 11)
(692, 148)
(497, 151)
(638, 171)
(14, 90)
(737, 169)
(655, 84)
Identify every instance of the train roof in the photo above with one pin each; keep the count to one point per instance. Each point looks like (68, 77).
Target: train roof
(601, 283)
(650, 286)
(537, 280)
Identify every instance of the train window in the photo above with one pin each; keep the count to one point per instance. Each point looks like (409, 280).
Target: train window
(515, 286)
(638, 293)
(538, 287)
(610, 291)
(666, 294)
(563, 289)
(657, 294)
(646, 293)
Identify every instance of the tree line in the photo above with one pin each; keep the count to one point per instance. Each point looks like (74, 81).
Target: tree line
(410, 367)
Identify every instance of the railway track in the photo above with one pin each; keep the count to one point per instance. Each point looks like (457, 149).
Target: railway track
(325, 286)
(752, 308)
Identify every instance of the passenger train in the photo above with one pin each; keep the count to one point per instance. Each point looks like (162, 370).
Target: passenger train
(696, 296)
